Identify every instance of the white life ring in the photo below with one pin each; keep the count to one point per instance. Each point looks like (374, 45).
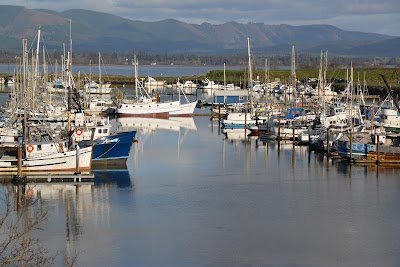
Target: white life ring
(30, 148)
(78, 132)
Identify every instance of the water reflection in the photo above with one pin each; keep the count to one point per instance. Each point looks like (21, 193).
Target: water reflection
(226, 194)
(150, 125)
(118, 178)
(77, 206)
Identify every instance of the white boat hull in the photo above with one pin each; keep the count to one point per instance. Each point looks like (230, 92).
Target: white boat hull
(152, 109)
(54, 163)
(186, 110)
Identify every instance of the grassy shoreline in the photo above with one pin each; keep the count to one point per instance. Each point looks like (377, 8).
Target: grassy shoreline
(372, 76)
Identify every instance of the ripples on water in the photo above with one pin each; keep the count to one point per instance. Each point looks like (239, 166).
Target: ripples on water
(193, 196)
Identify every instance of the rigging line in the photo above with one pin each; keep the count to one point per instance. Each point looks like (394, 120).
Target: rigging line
(108, 150)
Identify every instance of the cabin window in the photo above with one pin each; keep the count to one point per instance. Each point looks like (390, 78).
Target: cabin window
(105, 130)
(99, 131)
(39, 147)
(241, 97)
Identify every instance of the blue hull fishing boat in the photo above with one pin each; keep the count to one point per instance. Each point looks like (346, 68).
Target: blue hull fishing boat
(113, 147)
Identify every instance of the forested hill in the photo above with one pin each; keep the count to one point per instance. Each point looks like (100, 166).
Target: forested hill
(95, 31)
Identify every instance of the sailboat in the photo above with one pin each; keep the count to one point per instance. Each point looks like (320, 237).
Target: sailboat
(242, 119)
(100, 87)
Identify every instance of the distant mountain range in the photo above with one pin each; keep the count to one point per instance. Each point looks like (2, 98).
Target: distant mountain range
(101, 32)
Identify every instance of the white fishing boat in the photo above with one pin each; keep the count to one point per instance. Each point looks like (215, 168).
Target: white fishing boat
(143, 105)
(147, 107)
(90, 128)
(42, 151)
(48, 158)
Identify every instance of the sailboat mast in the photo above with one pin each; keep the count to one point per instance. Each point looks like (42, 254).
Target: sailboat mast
(69, 73)
(70, 44)
(250, 69)
(224, 77)
(250, 76)
(293, 75)
(25, 91)
(99, 70)
(136, 77)
(36, 71)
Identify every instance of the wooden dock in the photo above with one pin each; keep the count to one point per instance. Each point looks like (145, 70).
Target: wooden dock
(48, 178)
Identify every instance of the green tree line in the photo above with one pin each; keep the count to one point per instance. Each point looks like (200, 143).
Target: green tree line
(274, 62)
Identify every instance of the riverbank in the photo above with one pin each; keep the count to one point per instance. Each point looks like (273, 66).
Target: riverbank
(369, 77)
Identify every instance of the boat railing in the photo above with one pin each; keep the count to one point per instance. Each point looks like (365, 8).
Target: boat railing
(39, 155)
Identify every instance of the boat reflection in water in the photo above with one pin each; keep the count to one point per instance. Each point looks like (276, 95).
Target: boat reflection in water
(84, 207)
(234, 135)
(149, 125)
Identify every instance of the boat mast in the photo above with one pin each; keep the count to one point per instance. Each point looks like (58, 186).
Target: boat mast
(250, 76)
(351, 97)
(224, 85)
(69, 71)
(266, 71)
(70, 44)
(136, 77)
(293, 75)
(224, 77)
(24, 96)
(99, 70)
(36, 72)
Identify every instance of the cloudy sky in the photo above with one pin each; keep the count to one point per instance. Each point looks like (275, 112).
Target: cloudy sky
(378, 16)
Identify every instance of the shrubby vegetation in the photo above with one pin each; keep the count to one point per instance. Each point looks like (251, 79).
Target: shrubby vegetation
(275, 62)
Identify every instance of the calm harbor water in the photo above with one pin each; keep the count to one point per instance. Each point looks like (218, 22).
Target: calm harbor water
(194, 196)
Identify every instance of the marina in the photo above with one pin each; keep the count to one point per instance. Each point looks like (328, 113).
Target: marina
(255, 176)
(199, 134)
